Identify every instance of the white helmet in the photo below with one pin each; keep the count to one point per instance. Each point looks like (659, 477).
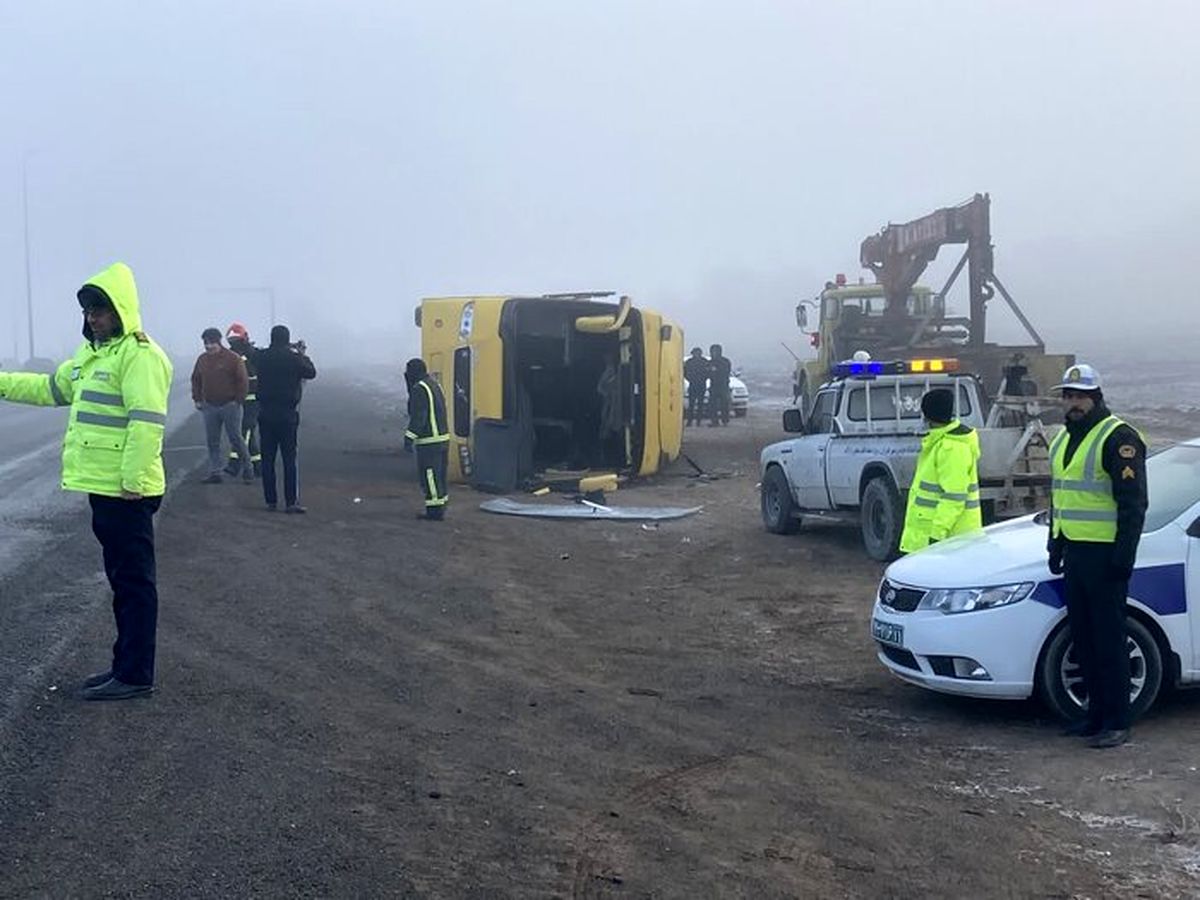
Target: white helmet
(1081, 377)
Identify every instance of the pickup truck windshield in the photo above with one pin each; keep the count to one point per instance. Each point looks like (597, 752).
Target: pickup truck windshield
(884, 402)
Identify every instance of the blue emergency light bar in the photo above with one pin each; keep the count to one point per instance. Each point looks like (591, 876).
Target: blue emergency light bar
(851, 369)
(872, 369)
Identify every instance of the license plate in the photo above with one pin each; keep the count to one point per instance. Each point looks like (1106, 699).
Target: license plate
(887, 633)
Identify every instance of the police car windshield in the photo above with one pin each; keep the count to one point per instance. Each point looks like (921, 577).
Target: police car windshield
(1173, 482)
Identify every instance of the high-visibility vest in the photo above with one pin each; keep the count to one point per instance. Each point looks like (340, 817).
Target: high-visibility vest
(1081, 491)
(117, 392)
(944, 498)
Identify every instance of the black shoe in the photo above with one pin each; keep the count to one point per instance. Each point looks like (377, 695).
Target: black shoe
(271, 507)
(1110, 738)
(295, 510)
(214, 478)
(431, 516)
(117, 690)
(247, 478)
(231, 470)
(98, 679)
(1082, 728)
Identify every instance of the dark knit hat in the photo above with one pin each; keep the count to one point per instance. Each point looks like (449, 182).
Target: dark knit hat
(938, 405)
(280, 336)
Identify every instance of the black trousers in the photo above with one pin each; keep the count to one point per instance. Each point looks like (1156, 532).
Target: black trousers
(279, 437)
(695, 408)
(125, 530)
(1096, 615)
(431, 469)
(718, 403)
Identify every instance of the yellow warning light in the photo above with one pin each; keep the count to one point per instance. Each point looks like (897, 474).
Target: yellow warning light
(933, 365)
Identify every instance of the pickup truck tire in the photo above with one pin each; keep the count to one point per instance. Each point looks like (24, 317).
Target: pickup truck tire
(778, 508)
(882, 518)
(1060, 683)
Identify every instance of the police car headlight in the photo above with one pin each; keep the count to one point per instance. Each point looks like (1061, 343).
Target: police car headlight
(960, 600)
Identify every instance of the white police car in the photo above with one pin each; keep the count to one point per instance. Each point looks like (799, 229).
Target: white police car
(982, 615)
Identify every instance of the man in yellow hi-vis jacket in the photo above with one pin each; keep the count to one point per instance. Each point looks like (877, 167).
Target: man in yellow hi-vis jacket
(944, 498)
(427, 432)
(116, 385)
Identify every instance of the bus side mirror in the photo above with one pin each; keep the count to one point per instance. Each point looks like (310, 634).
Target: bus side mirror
(793, 421)
(802, 316)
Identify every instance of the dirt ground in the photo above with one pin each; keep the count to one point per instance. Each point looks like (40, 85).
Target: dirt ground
(358, 704)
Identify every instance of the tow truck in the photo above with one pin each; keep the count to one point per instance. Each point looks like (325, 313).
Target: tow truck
(897, 318)
(855, 450)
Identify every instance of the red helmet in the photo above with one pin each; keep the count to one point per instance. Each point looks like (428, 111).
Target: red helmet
(237, 330)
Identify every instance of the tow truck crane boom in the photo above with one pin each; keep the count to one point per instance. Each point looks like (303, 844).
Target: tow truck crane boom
(899, 254)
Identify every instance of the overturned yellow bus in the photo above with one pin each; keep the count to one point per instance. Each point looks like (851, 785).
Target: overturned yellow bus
(558, 384)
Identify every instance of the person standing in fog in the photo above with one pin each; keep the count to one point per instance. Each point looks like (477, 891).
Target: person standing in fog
(282, 369)
(219, 385)
(116, 386)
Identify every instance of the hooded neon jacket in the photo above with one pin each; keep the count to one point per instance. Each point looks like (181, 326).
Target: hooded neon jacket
(944, 498)
(117, 392)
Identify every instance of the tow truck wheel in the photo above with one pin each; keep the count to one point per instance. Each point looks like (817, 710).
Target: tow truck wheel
(882, 518)
(1060, 680)
(778, 508)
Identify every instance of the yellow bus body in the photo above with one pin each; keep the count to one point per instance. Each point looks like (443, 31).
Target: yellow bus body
(554, 383)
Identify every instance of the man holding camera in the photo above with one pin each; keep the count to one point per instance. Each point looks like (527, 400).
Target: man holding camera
(282, 368)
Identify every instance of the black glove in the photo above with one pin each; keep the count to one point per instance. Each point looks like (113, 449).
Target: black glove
(408, 445)
(1056, 561)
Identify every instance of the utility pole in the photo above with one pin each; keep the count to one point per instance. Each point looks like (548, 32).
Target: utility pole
(28, 276)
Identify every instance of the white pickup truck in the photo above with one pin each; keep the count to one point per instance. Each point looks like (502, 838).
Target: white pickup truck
(855, 452)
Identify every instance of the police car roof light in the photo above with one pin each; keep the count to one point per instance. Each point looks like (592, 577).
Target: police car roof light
(933, 365)
(868, 369)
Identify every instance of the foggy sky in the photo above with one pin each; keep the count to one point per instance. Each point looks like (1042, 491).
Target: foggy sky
(718, 161)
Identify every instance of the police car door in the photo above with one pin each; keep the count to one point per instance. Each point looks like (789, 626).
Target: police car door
(806, 468)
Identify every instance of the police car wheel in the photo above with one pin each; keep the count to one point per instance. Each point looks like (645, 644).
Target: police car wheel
(882, 519)
(778, 508)
(1060, 681)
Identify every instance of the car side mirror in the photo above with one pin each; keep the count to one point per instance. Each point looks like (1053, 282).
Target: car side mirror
(1193, 530)
(793, 421)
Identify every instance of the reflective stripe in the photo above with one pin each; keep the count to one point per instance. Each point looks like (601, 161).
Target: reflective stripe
(1071, 484)
(1087, 515)
(59, 399)
(101, 398)
(972, 504)
(88, 418)
(1089, 464)
(434, 431)
(144, 415)
(434, 499)
(936, 489)
(411, 435)
(925, 501)
(250, 397)
(440, 439)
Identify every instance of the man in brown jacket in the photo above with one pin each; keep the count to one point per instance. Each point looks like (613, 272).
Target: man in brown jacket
(219, 385)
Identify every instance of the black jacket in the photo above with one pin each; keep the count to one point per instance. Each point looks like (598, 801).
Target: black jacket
(1123, 458)
(719, 370)
(426, 424)
(247, 351)
(281, 370)
(695, 370)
